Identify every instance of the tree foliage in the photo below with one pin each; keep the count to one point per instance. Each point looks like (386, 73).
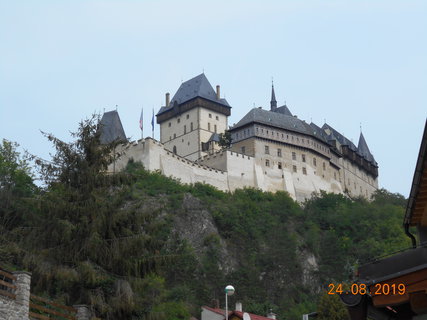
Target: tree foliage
(109, 240)
(225, 140)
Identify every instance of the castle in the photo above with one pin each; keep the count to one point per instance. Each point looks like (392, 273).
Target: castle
(270, 149)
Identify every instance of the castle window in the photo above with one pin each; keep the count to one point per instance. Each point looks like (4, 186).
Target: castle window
(174, 149)
(209, 126)
(267, 131)
(262, 130)
(282, 135)
(179, 120)
(304, 171)
(294, 168)
(188, 116)
(277, 134)
(243, 150)
(279, 165)
(287, 136)
(185, 129)
(303, 158)
(170, 124)
(210, 115)
(279, 152)
(191, 126)
(216, 117)
(267, 150)
(294, 156)
(314, 162)
(302, 140)
(170, 138)
(257, 130)
(215, 128)
(267, 163)
(324, 166)
(335, 175)
(174, 135)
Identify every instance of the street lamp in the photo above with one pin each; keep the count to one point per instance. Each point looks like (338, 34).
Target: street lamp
(229, 291)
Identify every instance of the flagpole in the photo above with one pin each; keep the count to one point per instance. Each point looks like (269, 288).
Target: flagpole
(152, 125)
(141, 122)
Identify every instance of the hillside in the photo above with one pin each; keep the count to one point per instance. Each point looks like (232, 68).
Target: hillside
(138, 245)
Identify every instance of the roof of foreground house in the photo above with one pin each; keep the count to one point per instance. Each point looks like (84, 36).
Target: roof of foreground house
(236, 313)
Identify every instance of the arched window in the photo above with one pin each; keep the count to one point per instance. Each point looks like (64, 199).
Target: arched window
(174, 149)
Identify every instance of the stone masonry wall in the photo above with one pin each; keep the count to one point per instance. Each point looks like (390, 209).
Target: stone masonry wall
(19, 308)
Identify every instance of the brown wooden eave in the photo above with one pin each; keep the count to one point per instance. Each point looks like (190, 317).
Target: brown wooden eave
(416, 209)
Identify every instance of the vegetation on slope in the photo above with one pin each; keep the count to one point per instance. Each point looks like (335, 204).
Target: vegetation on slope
(109, 240)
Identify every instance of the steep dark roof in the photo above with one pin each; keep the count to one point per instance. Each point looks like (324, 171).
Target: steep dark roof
(111, 128)
(284, 110)
(275, 119)
(198, 86)
(214, 137)
(339, 137)
(319, 132)
(364, 150)
(273, 102)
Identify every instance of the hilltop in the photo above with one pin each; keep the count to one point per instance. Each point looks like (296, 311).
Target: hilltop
(139, 245)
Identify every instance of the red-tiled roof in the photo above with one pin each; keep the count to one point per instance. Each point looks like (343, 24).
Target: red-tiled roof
(237, 313)
(253, 316)
(216, 310)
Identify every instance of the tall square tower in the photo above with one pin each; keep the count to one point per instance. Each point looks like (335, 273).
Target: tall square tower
(191, 122)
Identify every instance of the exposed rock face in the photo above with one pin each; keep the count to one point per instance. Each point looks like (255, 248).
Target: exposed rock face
(310, 268)
(194, 223)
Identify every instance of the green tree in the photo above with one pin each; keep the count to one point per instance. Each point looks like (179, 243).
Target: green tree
(225, 140)
(330, 307)
(16, 182)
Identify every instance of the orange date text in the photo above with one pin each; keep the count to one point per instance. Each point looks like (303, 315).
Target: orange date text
(362, 289)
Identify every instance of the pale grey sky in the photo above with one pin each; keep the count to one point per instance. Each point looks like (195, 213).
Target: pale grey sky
(346, 62)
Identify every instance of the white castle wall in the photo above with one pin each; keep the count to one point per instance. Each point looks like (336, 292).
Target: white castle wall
(230, 170)
(154, 156)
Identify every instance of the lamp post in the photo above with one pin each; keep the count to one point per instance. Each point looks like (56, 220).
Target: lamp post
(229, 291)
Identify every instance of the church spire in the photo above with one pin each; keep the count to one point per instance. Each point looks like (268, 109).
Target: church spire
(273, 102)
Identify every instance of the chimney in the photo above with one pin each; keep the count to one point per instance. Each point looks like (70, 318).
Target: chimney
(271, 315)
(217, 93)
(239, 306)
(167, 99)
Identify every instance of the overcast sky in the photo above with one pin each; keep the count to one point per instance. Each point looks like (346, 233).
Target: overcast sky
(348, 63)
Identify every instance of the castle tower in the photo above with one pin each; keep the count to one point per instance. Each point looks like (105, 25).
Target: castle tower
(191, 122)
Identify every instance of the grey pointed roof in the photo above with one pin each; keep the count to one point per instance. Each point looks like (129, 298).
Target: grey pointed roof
(319, 132)
(273, 102)
(273, 95)
(364, 150)
(339, 137)
(111, 128)
(198, 86)
(284, 110)
(214, 137)
(275, 119)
